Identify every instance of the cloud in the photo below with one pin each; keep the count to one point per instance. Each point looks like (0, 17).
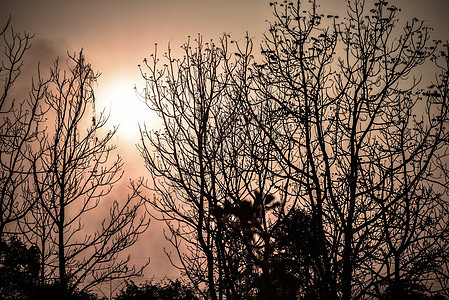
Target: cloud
(42, 53)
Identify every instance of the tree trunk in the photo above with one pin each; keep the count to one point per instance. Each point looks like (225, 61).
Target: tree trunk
(62, 268)
(347, 266)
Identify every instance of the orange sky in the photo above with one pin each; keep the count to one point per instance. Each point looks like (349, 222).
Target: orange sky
(116, 36)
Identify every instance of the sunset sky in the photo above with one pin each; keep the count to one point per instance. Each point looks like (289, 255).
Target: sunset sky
(117, 35)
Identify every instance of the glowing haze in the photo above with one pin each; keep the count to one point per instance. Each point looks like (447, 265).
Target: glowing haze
(117, 35)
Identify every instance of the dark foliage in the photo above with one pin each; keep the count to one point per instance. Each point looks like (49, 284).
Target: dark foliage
(297, 260)
(19, 267)
(54, 292)
(408, 291)
(163, 290)
(19, 270)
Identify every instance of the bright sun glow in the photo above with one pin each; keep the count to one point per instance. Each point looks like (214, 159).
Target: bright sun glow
(126, 110)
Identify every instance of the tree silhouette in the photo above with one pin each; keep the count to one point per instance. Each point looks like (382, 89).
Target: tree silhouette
(361, 140)
(72, 173)
(338, 123)
(203, 164)
(19, 126)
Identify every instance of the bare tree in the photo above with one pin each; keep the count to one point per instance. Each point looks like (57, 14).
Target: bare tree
(334, 123)
(19, 126)
(201, 165)
(72, 174)
(363, 142)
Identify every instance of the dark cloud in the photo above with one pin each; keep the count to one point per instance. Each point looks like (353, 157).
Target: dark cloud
(41, 56)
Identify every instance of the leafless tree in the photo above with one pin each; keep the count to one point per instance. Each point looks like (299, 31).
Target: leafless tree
(201, 165)
(335, 122)
(363, 140)
(19, 126)
(72, 175)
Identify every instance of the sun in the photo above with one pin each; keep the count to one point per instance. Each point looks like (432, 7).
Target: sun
(126, 110)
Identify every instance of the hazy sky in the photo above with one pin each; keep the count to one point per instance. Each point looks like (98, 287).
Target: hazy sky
(116, 36)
